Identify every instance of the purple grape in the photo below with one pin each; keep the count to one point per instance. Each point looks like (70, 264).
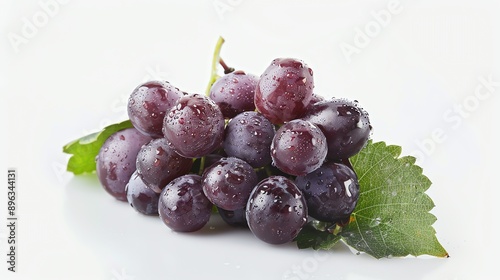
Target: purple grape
(299, 147)
(248, 136)
(183, 206)
(276, 211)
(345, 125)
(284, 90)
(315, 99)
(147, 106)
(115, 161)
(235, 218)
(194, 127)
(143, 199)
(228, 183)
(234, 93)
(158, 164)
(331, 192)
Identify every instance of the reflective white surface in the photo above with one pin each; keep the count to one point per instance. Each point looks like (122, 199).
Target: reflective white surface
(421, 76)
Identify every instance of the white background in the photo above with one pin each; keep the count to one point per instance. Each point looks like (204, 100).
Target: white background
(67, 70)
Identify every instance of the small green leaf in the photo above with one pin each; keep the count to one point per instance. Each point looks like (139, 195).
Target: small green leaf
(310, 237)
(85, 149)
(392, 215)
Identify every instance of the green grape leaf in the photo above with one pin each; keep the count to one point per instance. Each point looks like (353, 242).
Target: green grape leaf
(310, 237)
(392, 215)
(84, 150)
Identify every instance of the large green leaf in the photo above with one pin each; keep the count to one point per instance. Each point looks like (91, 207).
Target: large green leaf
(392, 215)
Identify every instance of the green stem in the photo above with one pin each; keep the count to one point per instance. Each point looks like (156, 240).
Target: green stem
(215, 60)
(269, 172)
(202, 166)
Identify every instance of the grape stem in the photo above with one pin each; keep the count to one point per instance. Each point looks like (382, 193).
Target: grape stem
(268, 170)
(227, 69)
(202, 166)
(216, 58)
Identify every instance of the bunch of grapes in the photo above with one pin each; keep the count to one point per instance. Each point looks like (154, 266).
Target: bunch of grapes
(266, 152)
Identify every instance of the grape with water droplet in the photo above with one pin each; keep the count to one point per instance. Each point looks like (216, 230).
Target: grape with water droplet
(194, 127)
(346, 126)
(157, 164)
(331, 192)
(228, 182)
(143, 199)
(299, 147)
(234, 93)
(276, 210)
(148, 103)
(248, 136)
(183, 206)
(284, 90)
(115, 162)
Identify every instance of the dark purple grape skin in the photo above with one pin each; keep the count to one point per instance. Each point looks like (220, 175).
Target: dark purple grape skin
(143, 199)
(235, 218)
(299, 147)
(234, 93)
(115, 161)
(228, 182)
(315, 99)
(276, 210)
(148, 104)
(248, 136)
(346, 126)
(194, 127)
(182, 206)
(284, 90)
(331, 192)
(158, 164)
